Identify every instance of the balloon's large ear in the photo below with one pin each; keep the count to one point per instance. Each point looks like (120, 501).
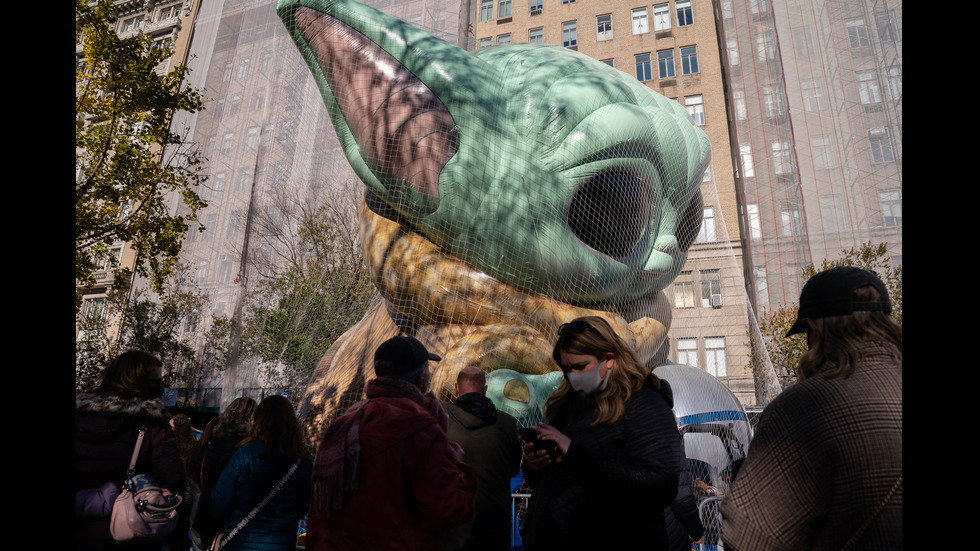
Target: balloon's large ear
(390, 89)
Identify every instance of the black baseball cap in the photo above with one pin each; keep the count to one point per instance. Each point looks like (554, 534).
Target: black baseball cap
(830, 293)
(405, 353)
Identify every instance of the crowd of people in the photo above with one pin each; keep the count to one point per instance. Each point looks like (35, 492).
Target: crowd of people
(606, 467)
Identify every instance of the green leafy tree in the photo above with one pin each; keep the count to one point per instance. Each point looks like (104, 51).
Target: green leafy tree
(324, 289)
(127, 157)
(785, 352)
(146, 321)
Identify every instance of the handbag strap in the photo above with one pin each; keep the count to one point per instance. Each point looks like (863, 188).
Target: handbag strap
(867, 522)
(136, 451)
(255, 511)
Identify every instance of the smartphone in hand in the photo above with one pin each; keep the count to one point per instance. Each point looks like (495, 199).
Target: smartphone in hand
(531, 436)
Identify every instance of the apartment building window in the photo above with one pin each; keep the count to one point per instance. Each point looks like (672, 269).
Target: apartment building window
(761, 287)
(486, 10)
(115, 256)
(226, 268)
(234, 105)
(94, 308)
(219, 184)
(802, 43)
(738, 97)
(640, 23)
(567, 1)
(209, 146)
(226, 141)
(813, 98)
(782, 157)
(881, 146)
(714, 355)
(689, 60)
(748, 169)
(869, 91)
(483, 43)
(133, 24)
(684, 291)
(886, 29)
(604, 27)
(733, 59)
(536, 6)
(684, 14)
(857, 33)
(569, 34)
(226, 74)
(243, 67)
(710, 288)
(772, 98)
(168, 12)
(609, 62)
(504, 8)
(706, 177)
(894, 75)
(244, 177)
(823, 153)
(644, 69)
(790, 220)
(755, 222)
(891, 207)
(252, 137)
(687, 352)
(695, 107)
(707, 232)
(536, 36)
(661, 17)
(202, 271)
(665, 63)
(758, 6)
(765, 46)
(190, 325)
(258, 100)
(503, 39)
(831, 213)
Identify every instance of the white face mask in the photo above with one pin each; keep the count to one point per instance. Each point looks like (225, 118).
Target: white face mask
(588, 382)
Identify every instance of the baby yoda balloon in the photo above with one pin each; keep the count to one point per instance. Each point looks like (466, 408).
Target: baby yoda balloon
(509, 190)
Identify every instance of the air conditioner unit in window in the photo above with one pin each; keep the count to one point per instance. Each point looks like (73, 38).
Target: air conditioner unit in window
(535, 12)
(716, 301)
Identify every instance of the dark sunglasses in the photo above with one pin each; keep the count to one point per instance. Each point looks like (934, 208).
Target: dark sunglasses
(575, 327)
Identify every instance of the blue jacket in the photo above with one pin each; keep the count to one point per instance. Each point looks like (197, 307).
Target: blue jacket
(245, 482)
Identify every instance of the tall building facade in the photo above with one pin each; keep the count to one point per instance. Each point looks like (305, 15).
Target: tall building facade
(673, 48)
(815, 98)
(168, 24)
(273, 156)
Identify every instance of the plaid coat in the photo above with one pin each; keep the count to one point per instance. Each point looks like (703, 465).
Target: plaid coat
(826, 454)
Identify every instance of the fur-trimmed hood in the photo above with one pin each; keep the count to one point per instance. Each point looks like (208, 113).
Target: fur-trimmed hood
(121, 405)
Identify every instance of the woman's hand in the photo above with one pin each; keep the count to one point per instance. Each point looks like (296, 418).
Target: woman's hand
(535, 459)
(548, 432)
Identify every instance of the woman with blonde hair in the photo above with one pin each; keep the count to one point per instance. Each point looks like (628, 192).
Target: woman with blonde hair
(615, 454)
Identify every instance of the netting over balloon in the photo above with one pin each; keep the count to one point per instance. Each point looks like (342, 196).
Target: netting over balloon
(493, 195)
(508, 190)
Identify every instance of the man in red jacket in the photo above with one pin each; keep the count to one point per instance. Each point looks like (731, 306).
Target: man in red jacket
(386, 476)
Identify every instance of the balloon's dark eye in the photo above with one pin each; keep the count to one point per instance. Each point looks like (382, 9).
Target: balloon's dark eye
(610, 211)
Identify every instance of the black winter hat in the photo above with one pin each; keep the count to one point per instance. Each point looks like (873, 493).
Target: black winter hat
(830, 293)
(404, 353)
